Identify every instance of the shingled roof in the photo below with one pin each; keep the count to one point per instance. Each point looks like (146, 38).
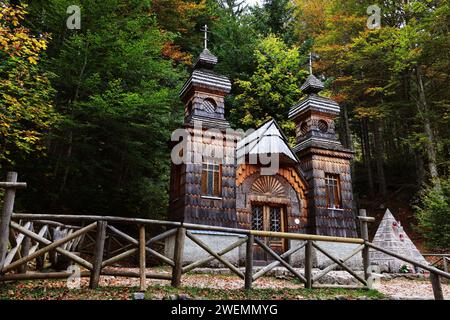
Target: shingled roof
(204, 76)
(269, 138)
(206, 60)
(314, 102)
(312, 85)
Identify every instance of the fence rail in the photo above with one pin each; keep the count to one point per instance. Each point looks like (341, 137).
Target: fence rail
(28, 240)
(441, 257)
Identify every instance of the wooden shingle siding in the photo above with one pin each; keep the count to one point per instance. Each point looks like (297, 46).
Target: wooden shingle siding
(326, 221)
(298, 188)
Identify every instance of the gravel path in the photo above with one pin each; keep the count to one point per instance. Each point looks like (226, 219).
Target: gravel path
(203, 281)
(410, 289)
(398, 288)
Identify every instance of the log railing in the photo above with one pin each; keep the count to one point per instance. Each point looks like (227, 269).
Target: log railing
(26, 240)
(440, 258)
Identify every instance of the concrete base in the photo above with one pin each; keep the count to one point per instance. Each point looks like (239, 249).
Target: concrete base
(218, 241)
(338, 250)
(215, 240)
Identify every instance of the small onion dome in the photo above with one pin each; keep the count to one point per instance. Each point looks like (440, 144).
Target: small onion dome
(205, 60)
(312, 85)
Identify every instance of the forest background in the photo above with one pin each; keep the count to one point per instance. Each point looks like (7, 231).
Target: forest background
(86, 114)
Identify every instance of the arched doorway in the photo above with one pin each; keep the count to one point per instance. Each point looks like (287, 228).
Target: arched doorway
(268, 199)
(271, 203)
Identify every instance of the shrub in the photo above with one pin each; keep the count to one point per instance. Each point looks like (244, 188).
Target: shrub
(433, 214)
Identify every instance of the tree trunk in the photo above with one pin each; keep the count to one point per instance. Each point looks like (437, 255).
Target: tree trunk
(348, 143)
(379, 157)
(420, 172)
(67, 158)
(430, 147)
(75, 99)
(366, 156)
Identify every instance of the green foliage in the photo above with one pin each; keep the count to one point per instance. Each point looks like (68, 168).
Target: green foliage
(405, 269)
(117, 82)
(117, 89)
(274, 17)
(274, 87)
(234, 36)
(434, 215)
(375, 77)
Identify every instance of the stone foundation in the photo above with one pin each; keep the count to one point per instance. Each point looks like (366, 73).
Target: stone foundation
(218, 241)
(338, 250)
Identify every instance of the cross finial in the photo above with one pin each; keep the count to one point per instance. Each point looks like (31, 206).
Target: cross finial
(205, 30)
(310, 62)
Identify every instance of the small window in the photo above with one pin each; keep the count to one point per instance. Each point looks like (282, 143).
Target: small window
(209, 105)
(212, 179)
(322, 125)
(188, 109)
(333, 190)
(304, 128)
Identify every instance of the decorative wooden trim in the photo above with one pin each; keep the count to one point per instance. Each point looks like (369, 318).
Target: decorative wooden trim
(268, 185)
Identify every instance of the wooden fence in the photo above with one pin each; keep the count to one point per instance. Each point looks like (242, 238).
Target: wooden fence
(28, 240)
(441, 258)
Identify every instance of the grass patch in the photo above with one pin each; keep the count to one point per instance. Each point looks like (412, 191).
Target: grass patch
(57, 290)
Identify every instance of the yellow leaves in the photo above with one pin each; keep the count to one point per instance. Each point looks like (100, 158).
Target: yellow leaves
(371, 91)
(3, 43)
(43, 44)
(12, 101)
(368, 113)
(32, 60)
(16, 40)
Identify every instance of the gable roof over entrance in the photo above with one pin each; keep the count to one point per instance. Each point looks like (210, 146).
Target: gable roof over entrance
(267, 139)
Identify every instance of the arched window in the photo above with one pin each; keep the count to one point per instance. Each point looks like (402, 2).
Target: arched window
(322, 125)
(209, 105)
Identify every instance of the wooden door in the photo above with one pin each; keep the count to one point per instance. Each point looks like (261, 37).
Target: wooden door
(268, 218)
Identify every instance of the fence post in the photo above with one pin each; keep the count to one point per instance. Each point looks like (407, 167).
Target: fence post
(249, 262)
(365, 235)
(437, 287)
(308, 264)
(40, 262)
(142, 254)
(98, 254)
(24, 250)
(178, 257)
(8, 207)
(445, 264)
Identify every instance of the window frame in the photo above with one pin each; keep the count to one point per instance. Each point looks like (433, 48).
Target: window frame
(335, 185)
(211, 177)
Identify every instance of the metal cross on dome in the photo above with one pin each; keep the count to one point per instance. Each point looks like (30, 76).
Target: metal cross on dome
(205, 30)
(312, 56)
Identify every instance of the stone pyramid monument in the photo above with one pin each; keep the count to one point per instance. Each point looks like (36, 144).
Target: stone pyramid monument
(391, 236)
